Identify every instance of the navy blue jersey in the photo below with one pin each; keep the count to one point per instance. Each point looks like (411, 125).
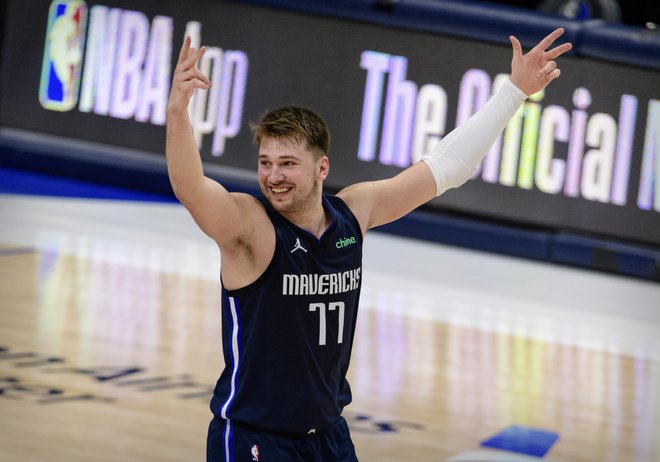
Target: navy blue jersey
(287, 337)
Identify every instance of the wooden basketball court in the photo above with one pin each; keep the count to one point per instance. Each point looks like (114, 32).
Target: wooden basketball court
(110, 344)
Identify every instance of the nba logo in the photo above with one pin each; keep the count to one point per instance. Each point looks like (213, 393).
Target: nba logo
(255, 453)
(63, 53)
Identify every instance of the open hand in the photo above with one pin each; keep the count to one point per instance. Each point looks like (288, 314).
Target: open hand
(533, 71)
(187, 77)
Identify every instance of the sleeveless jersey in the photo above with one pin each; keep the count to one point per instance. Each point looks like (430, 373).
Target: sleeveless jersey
(287, 337)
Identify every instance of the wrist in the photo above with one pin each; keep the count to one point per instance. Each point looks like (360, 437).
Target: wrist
(176, 112)
(515, 88)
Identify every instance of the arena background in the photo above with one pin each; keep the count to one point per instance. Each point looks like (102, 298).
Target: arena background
(574, 180)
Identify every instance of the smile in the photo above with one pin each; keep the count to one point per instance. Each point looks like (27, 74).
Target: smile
(280, 190)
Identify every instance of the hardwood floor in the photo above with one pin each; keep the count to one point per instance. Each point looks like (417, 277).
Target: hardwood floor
(109, 344)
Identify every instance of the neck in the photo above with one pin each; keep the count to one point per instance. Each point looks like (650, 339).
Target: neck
(313, 220)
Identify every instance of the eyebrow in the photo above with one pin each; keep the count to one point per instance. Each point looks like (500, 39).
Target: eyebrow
(286, 157)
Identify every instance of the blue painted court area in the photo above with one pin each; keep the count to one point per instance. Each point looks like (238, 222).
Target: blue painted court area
(523, 440)
(23, 182)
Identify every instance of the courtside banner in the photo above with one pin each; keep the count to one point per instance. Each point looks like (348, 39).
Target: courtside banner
(583, 155)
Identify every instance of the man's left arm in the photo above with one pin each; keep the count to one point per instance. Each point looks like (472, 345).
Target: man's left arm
(458, 154)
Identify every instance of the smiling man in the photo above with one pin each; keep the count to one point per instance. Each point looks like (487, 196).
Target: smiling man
(291, 260)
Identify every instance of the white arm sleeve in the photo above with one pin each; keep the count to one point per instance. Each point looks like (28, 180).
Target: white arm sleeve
(458, 154)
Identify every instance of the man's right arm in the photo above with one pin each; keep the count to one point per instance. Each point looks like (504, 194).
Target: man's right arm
(216, 211)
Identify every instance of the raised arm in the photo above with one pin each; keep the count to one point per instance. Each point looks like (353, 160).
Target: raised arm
(216, 211)
(458, 154)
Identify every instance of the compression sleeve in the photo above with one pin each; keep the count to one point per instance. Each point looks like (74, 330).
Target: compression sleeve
(458, 154)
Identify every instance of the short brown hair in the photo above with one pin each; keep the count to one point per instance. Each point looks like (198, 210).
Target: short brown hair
(293, 123)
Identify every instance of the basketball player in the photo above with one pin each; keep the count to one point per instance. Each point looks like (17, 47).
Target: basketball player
(291, 260)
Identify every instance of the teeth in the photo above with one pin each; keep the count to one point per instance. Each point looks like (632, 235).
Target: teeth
(280, 190)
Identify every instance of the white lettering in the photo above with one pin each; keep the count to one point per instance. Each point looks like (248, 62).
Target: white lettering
(322, 327)
(340, 307)
(430, 120)
(598, 163)
(98, 74)
(232, 98)
(555, 124)
(322, 284)
(648, 197)
(376, 65)
(131, 50)
(156, 79)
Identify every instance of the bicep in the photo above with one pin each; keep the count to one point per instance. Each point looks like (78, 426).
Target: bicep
(376, 203)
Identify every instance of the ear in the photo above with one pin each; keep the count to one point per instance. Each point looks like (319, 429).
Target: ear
(323, 168)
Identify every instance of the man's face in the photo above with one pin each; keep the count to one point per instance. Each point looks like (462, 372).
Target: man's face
(289, 177)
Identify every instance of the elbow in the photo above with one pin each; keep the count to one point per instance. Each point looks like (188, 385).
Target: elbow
(179, 191)
(184, 192)
(182, 196)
